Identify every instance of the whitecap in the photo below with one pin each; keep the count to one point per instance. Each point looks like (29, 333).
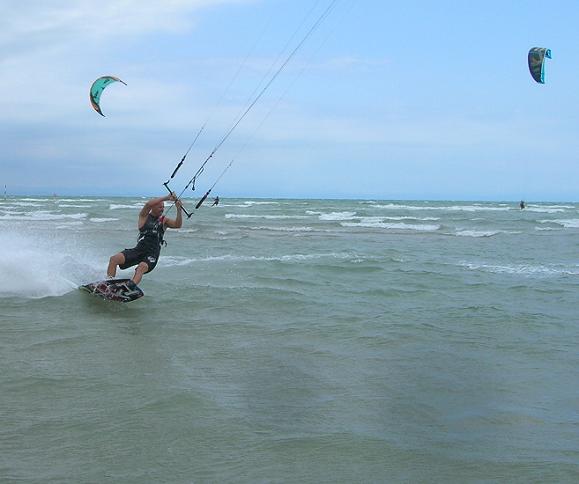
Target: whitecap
(283, 229)
(116, 206)
(544, 209)
(27, 204)
(572, 223)
(337, 216)
(249, 203)
(67, 225)
(42, 215)
(451, 208)
(393, 226)
(521, 269)
(169, 261)
(73, 206)
(269, 217)
(476, 233)
(423, 219)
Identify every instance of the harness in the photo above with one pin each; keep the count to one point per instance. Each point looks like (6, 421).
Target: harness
(151, 233)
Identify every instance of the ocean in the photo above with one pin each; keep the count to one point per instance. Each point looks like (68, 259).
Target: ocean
(302, 341)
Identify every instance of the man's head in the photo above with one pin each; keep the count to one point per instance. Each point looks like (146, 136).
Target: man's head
(157, 209)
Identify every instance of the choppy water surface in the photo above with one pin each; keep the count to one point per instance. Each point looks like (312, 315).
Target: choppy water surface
(293, 341)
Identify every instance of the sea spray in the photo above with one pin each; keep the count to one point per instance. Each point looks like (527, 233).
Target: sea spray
(36, 266)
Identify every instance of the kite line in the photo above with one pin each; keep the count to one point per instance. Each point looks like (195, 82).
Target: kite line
(274, 76)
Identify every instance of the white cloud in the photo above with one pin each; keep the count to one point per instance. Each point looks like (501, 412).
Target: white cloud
(37, 22)
(52, 51)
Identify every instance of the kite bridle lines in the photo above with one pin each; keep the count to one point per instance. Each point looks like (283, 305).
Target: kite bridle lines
(274, 76)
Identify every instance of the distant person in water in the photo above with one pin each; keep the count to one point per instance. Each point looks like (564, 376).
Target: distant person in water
(215, 202)
(152, 225)
(522, 204)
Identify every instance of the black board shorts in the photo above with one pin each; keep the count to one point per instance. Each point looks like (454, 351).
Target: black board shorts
(137, 255)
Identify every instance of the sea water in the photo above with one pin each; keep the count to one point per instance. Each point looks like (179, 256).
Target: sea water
(292, 341)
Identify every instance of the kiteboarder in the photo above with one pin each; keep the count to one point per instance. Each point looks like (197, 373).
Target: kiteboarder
(152, 225)
(522, 205)
(215, 202)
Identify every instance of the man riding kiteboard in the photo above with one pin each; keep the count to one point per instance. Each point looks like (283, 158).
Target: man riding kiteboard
(152, 225)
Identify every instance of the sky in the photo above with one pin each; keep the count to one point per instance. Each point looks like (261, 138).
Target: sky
(384, 100)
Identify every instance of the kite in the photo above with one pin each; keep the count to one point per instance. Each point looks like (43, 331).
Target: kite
(97, 89)
(537, 63)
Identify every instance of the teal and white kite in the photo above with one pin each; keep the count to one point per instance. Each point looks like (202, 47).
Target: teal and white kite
(97, 89)
(537, 57)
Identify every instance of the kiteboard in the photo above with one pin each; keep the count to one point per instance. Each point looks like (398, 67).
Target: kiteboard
(120, 290)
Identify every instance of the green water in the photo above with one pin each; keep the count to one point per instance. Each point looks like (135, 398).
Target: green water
(292, 341)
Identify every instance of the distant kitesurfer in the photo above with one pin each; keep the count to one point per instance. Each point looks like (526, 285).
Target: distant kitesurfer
(215, 202)
(522, 204)
(152, 225)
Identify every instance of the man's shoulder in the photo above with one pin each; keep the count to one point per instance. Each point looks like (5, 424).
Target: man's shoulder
(143, 218)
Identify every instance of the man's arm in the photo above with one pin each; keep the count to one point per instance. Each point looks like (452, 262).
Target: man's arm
(178, 222)
(144, 213)
(151, 203)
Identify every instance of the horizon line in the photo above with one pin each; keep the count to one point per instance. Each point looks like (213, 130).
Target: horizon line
(353, 198)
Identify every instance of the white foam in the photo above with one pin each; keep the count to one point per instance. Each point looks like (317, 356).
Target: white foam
(283, 229)
(552, 206)
(67, 225)
(169, 261)
(268, 217)
(42, 215)
(100, 220)
(249, 203)
(392, 226)
(572, 223)
(451, 208)
(337, 216)
(521, 269)
(422, 219)
(476, 233)
(544, 209)
(73, 206)
(11, 211)
(372, 220)
(27, 204)
(246, 204)
(117, 206)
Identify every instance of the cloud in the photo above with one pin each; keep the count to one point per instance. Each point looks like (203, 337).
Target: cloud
(47, 23)
(52, 51)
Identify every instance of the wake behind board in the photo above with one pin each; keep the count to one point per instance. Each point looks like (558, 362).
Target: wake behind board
(120, 290)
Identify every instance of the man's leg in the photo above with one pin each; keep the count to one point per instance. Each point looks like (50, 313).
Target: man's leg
(114, 261)
(141, 269)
